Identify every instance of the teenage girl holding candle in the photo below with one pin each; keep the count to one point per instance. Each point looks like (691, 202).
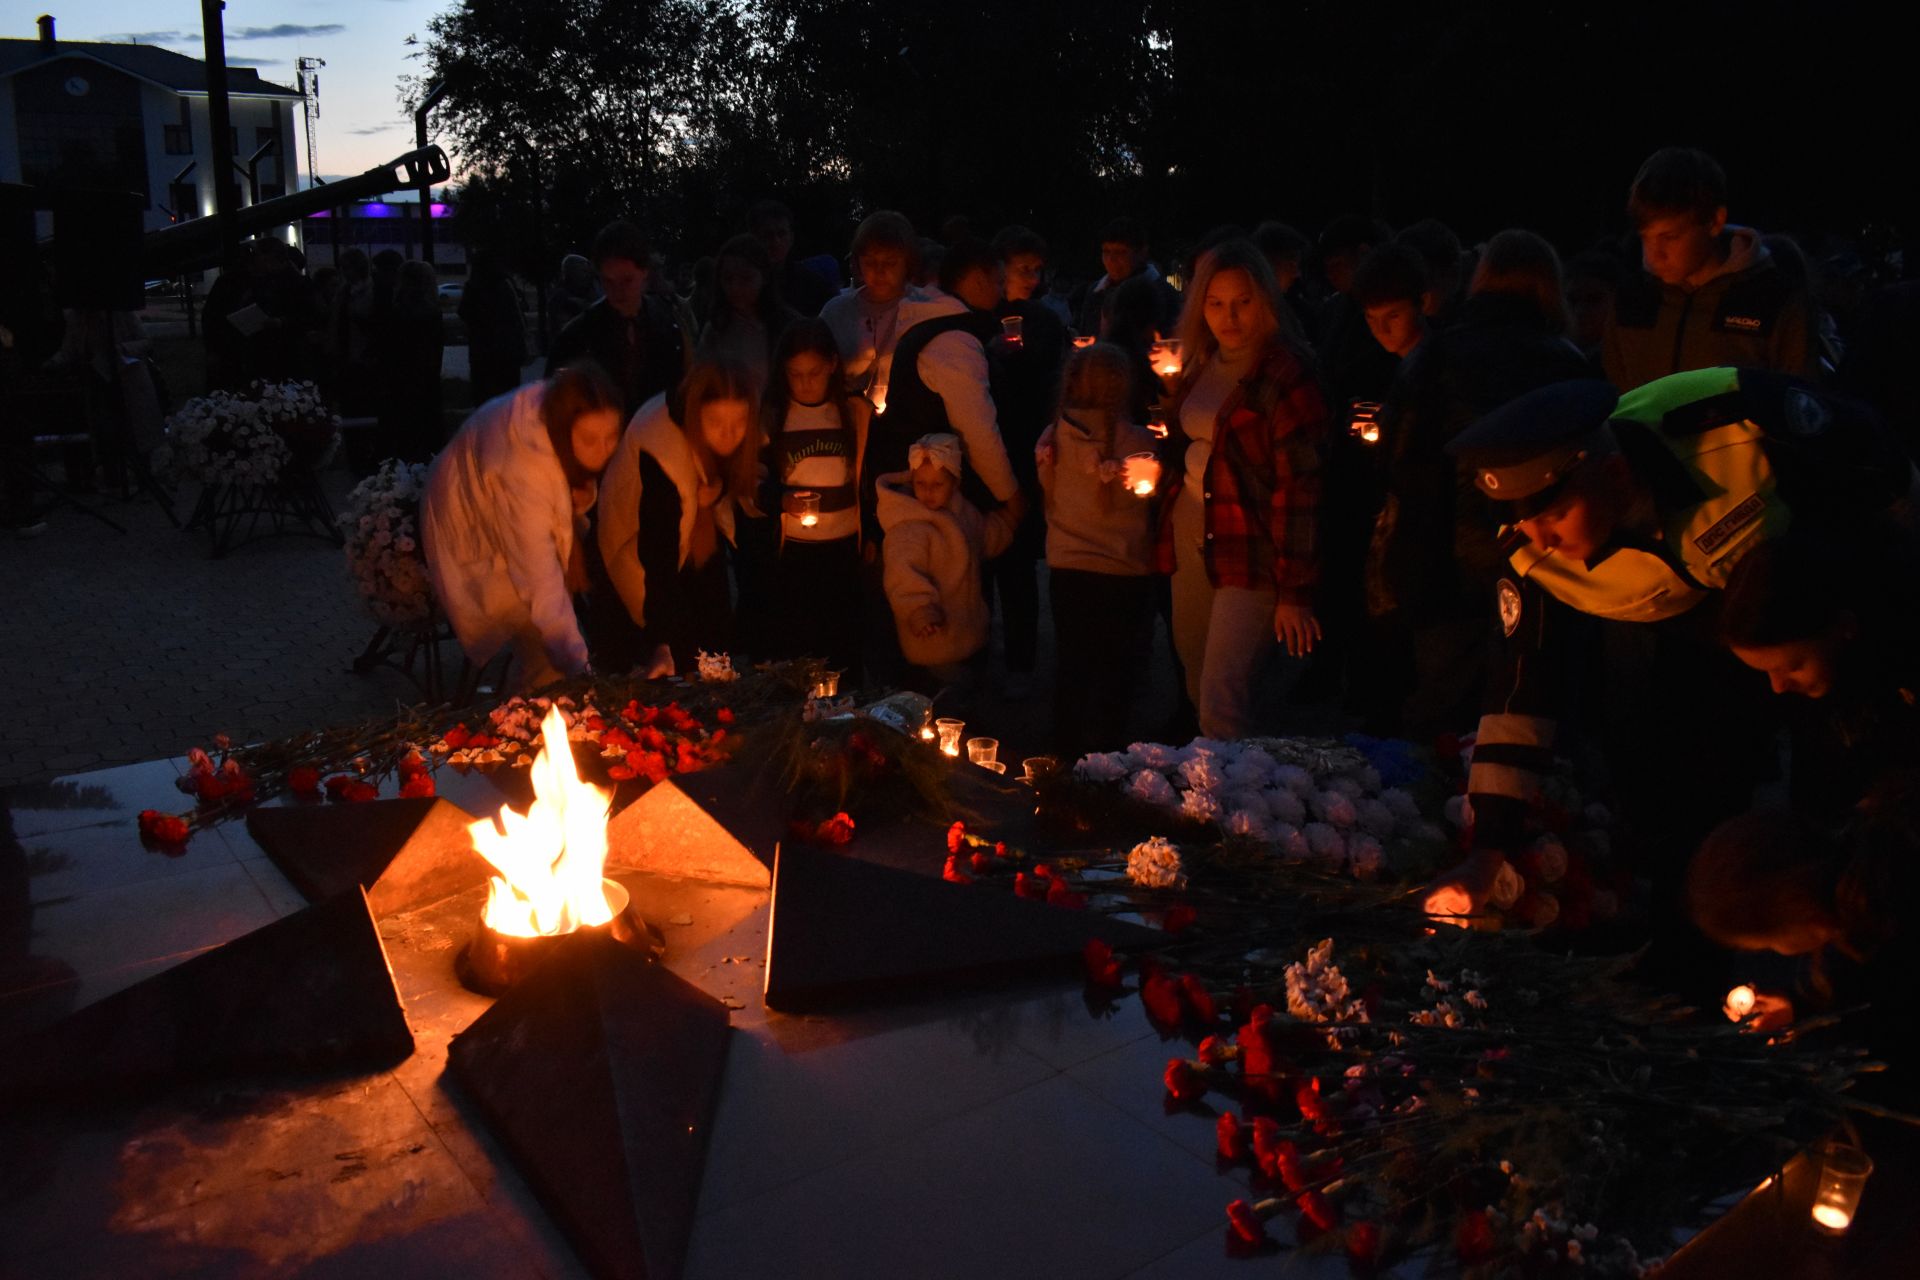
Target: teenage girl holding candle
(1239, 520)
(1098, 475)
(816, 434)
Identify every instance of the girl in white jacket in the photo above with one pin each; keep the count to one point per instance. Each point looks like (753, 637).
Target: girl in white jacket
(934, 545)
(505, 505)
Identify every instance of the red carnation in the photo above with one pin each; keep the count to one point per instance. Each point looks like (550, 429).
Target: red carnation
(1363, 1243)
(412, 766)
(1273, 1153)
(956, 836)
(1245, 1222)
(838, 829)
(357, 791)
(1040, 869)
(482, 740)
(1059, 895)
(1103, 967)
(1199, 999)
(642, 715)
(1029, 887)
(210, 787)
(417, 786)
(163, 828)
(981, 862)
(1214, 1051)
(1321, 1212)
(1182, 1081)
(619, 739)
(303, 780)
(952, 872)
(1178, 919)
(1161, 995)
(620, 772)
(1473, 1239)
(1000, 850)
(596, 724)
(337, 785)
(724, 715)
(1230, 1140)
(1306, 1096)
(457, 736)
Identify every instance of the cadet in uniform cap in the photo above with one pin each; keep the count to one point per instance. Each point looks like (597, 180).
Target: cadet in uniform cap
(1636, 508)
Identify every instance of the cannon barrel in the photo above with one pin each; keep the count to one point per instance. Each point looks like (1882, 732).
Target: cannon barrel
(187, 245)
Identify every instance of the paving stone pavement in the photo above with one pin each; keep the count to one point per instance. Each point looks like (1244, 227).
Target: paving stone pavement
(124, 648)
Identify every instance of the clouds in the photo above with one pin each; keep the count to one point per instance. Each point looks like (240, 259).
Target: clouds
(280, 31)
(285, 30)
(372, 129)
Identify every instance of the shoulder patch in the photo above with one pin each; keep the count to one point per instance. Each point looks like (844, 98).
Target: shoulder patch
(1731, 523)
(1509, 596)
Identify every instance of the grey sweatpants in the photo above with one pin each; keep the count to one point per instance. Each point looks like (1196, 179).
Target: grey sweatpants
(1224, 636)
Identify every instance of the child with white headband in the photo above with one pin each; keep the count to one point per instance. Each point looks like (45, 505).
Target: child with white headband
(935, 541)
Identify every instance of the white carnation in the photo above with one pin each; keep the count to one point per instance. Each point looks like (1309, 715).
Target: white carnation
(1249, 823)
(1346, 786)
(1376, 819)
(1155, 864)
(1458, 812)
(1201, 806)
(1292, 843)
(1202, 773)
(1285, 806)
(1552, 856)
(1335, 808)
(1366, 860)
(1296, 780)
(1507, 887)
(1325, 844)
(1405, 808)
(1151, 786)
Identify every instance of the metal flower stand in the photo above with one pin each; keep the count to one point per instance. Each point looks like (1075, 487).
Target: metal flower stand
(414, 651)
(233, 515)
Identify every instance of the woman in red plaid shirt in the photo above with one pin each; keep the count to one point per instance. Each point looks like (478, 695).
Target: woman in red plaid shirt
(1239, 527)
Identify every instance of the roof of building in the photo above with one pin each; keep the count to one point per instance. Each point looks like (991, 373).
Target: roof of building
(149, 62)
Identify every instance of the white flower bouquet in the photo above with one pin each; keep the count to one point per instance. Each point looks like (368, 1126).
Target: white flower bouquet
(384, 556)
(247, 439)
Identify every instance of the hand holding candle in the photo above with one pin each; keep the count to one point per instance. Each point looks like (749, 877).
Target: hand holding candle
(1013, 329)
(1739, 1004)
(806, 505)
(1164, 356)
(1141, 474)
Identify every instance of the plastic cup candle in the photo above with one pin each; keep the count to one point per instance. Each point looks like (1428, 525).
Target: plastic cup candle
(828, 685)
(1012, 328)
(1084, 341)
(1365, 423)
(983, 751)
(1034, 768)
(1142, 472)
(1739, 1004)
(807, 503)
(1164, 355)
(950, 735)
(877, 397)
(1843, 1176)
(1157, 421)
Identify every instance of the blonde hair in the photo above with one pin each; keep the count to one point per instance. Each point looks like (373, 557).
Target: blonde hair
(1196, 339)
(1097, 377)
(707, 381)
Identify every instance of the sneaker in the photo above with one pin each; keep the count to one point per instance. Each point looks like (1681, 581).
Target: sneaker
(1019, 686)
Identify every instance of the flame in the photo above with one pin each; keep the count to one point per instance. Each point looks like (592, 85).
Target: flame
(551, 858)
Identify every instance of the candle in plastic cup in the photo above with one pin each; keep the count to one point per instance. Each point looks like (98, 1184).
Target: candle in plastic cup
(1142, 472)
(1033, 768)
(983, 750)
(1165, 357)
(1157, 421)
(877, 397)
(1084, 341)
(1739, 1004)
(1843, 1176)
(807, 504)
(950, 735)
(995, 766)
(1012, 327)
(828, 685)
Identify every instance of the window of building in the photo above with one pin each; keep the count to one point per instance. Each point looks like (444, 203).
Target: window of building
(178, 137)
(183, 201)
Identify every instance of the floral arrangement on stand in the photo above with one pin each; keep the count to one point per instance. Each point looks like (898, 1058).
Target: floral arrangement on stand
(384, 555)
(247, 439)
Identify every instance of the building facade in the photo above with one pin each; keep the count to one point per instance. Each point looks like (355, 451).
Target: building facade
(99, 116)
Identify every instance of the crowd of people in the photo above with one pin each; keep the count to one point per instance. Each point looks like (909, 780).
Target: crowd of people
(1597, 506)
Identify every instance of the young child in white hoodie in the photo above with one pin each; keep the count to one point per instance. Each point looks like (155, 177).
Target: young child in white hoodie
(935, 541)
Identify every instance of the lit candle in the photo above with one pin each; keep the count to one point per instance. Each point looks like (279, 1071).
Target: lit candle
(828, 685)
(983, 751)
(877, 397)
(807, 503)
(1084, 341)
(1142, 472)
(1013, 329)
(1157, 421)
(950, 735)
(1164, 355)
(1739, 1004)
(1843, 1176)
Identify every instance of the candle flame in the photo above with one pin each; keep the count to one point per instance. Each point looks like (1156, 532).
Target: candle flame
(1739, 1003)
(552, 858)
(1832, 1217)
